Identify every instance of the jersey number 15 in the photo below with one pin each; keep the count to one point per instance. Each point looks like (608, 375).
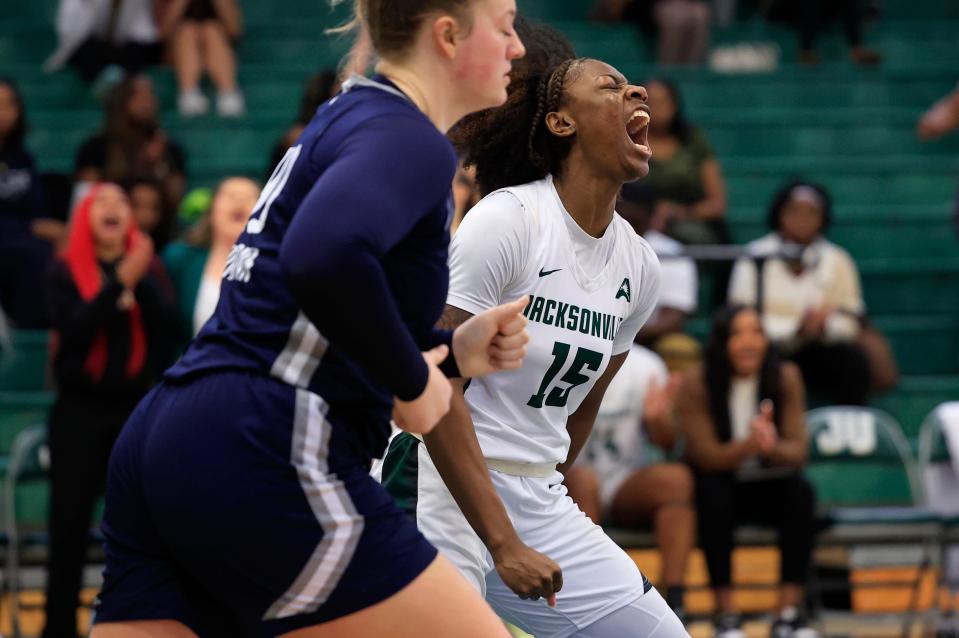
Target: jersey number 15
(557, 397)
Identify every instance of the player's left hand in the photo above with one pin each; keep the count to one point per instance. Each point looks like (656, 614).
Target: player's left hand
(492, 340)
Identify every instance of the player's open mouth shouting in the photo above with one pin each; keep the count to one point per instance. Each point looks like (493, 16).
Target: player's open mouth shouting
(637, 127)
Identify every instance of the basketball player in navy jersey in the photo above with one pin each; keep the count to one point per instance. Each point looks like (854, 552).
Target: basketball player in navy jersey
(238, 500)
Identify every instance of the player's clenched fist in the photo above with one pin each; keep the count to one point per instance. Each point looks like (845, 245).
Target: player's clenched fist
(530, 574)
(492, 340)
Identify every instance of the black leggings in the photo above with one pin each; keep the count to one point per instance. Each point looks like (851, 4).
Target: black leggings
(81, 435)
(836, 371)
(787, 504)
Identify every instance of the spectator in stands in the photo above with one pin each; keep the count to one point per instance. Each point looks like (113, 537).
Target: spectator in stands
(318, 89)
(201, 35)
(151, 211)
(102, 39)
(813, 309)
(621, 478)
(680, 290)
(196, 263)
(941, 119)
(681, 27)
(684, 174)
(109, 304)
(24, 257)
(812, 17)
(742, 415)
(132, 142)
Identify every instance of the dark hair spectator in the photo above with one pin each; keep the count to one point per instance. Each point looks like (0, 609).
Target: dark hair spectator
(132, 142)
(743, 419)
(812, 17)
(151, 210)
(103, 39)
(109, 303)
(680, 27)
(812, 307)
(24, 256)
(318, 89)
(684, 174)
(200, 35)
(196, 263)
(680, 282)
(622, 476)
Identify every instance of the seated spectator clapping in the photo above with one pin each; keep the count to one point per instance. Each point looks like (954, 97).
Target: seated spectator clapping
(742, 414)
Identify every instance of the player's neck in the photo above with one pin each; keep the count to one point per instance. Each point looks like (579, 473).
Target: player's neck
(423, 85)
(589, 199)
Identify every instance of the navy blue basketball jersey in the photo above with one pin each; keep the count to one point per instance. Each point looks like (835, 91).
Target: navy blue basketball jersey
(340, 275)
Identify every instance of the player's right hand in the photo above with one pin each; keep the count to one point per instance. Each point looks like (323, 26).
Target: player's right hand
(530, 574)
(420, 415)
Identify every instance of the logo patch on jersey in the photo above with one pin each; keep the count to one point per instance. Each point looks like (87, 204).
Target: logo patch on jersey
(240, 262)
(625, 291)
(543, 273)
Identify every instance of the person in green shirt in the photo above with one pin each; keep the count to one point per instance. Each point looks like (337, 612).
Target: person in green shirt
(684, 174)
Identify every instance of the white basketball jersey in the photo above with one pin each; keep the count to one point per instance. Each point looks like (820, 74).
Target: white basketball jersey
(589, 297)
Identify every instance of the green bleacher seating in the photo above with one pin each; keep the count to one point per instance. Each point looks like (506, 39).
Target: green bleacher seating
(19, 410)
(24, 365)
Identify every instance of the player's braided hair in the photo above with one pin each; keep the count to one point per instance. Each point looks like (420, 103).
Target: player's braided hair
(510, 144)
(548, 95)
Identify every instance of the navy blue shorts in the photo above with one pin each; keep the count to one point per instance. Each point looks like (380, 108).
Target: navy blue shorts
(235, 505)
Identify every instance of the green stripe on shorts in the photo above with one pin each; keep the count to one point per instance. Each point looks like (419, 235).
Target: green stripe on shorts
(401, 471)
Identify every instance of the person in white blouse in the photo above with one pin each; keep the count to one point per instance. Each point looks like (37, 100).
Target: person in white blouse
(812, 307)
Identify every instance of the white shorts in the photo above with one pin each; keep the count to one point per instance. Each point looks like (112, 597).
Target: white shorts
(598, 576)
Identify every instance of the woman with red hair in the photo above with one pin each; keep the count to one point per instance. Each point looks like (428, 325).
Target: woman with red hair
(109, 303)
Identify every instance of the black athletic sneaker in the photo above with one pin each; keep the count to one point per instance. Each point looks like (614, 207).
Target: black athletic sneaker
(729, 626)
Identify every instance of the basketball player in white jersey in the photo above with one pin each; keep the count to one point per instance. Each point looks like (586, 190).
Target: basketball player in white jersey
(487, 490)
